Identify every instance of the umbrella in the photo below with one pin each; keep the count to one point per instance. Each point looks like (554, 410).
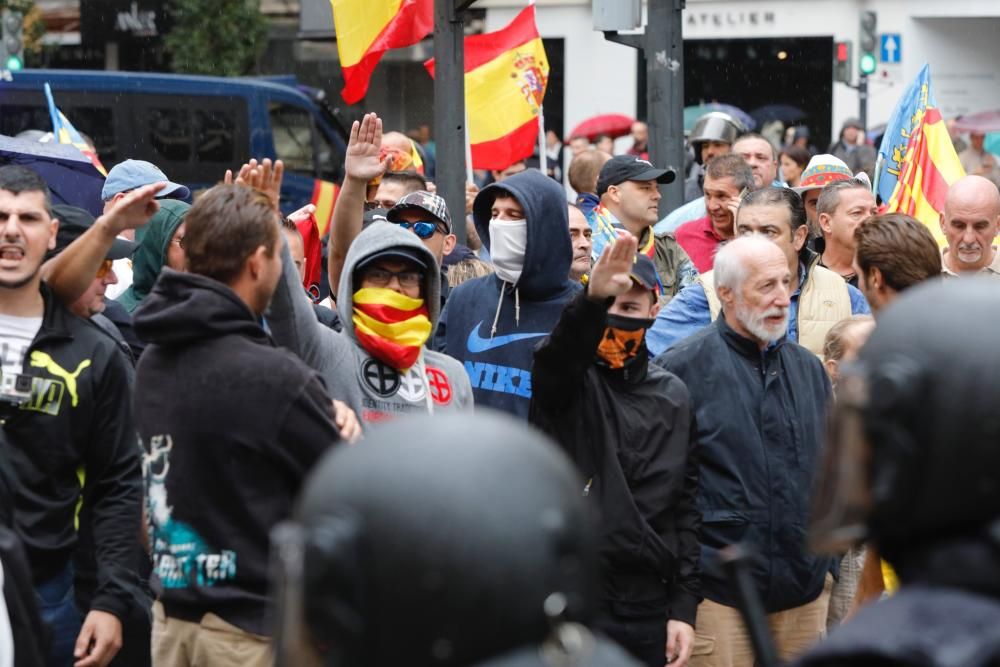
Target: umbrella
(984, 121)
(612, 124)
(70, 175)
(692, 114)
(786, 113)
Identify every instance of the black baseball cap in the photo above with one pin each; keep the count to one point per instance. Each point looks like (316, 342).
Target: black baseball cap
(399, 253)
(623, 168)
(73, 222)
(644, 273)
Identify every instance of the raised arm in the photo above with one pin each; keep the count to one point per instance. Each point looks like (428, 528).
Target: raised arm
(362, 163)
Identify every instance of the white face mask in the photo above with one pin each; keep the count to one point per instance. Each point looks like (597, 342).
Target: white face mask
(508, 241)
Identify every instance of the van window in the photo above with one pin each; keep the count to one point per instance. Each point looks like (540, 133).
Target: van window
(292, 129)
(94, 122)
(177, 134)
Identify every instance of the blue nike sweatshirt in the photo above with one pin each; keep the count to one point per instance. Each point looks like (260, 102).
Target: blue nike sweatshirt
(499, 363)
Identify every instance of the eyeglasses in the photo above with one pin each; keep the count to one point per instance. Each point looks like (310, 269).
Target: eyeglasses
(381, 277)
(105, 268)
(179, 240)
(379, 203)
(423, 229)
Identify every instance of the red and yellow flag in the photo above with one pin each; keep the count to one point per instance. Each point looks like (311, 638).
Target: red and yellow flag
(390, 326)
(930, 165)
(368, 28)
(505, 76)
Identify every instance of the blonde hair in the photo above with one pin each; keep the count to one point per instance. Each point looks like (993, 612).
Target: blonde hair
(835, 343)
(468, 269)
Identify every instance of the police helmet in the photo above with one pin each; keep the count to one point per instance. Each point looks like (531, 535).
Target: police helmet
(714, 126)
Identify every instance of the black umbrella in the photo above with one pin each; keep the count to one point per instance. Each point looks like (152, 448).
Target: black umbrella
(70, 175)
(786, 113)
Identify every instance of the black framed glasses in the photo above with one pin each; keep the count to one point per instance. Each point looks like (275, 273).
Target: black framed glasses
(382, 277)
(423, 229)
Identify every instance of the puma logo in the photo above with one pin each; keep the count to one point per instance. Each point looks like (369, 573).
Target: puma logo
(41, 359)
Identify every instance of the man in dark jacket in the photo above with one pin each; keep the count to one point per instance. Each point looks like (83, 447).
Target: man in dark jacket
(760, 405)
(628, 427)
(493, 323)
(229, 424)
(68, 418)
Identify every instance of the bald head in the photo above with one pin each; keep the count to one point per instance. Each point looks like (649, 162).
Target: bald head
(970, 223)
(739, 257)
(398, 141)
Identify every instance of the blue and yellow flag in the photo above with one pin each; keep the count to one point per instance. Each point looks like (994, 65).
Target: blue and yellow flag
(903, 123)
(65, 133)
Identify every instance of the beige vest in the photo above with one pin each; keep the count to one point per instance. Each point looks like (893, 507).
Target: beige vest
(823, 301)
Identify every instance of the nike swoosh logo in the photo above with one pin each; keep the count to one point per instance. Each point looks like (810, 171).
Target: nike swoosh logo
(477, 344)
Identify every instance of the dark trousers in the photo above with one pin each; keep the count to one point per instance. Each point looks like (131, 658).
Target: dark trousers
(57, 607)
(642, 635)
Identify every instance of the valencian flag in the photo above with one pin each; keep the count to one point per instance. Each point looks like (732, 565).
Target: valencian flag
(905, 118)
(391, 326)
(65, 133)
(368, 28)
(930, 165)
(505, 76)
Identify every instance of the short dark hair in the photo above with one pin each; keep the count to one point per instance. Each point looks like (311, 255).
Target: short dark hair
(829, 197)
(731, 165)
(411, 180)
(17, 179)
(584, 169)
(754, 135)
(772, 196)
(900, 247)
(797, 154)
(225, 226)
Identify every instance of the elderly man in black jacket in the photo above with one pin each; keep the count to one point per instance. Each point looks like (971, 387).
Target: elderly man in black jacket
(759, 403)
(628, 426)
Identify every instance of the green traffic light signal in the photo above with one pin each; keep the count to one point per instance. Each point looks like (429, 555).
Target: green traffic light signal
(867, 63)
(13, 64)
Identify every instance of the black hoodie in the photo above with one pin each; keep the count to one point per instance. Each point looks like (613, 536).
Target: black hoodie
(499, 364)
(230, 425)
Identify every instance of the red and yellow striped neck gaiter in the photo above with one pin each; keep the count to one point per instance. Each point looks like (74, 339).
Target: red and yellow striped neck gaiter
(390, 326)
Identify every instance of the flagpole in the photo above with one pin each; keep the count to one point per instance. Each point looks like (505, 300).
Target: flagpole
(543, 157)
(470, 177)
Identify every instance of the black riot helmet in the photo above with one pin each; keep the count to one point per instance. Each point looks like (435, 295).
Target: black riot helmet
(435, 541)
(914, 445)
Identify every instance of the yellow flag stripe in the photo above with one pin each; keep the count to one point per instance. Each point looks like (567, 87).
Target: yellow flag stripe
(324, 205)
(493, 96)
(414, 331)
(358, 23)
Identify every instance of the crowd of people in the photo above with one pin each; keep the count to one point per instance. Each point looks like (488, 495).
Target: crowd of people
(686, 366)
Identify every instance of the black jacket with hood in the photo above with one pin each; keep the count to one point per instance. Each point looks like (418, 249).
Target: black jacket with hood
(499, 362)
(760, 423)
(76, 426)
(631, 434)
(230, 425)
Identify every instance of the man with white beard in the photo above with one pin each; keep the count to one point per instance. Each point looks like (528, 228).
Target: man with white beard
(759, 402)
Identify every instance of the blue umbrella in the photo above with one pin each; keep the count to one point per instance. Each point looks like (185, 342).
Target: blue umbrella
(692, 114)
(70, 175)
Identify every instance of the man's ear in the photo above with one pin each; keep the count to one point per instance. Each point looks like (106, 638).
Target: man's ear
(831, 367)
(799, 237)
(256, 261)
(825, 222)
(655, 310)
(726, 295)
(449, 244)
(941, 221)
(54, 230)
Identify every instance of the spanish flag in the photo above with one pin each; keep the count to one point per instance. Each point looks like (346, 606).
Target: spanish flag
(390, 326)
(65, 133)
(929, 167)
(505, 76)
(368, 28)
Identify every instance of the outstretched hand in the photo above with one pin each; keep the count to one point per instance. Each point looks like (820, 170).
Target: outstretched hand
(265, 176)
(611, 275)
(364, 160)
(134, 209)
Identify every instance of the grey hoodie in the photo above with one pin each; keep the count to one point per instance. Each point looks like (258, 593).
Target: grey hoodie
(372, 389)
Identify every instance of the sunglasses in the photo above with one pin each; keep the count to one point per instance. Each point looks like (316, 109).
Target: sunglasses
(105, 268)
(422, 229)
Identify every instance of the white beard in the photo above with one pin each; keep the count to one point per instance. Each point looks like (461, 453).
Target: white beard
(756, 323)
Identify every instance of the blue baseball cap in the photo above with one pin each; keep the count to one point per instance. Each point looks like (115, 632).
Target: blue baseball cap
(132, 174)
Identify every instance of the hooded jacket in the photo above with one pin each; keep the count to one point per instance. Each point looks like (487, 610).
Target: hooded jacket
(151, 255)
(491, 326)
(230, 425)
(631, 434)
(375, 391)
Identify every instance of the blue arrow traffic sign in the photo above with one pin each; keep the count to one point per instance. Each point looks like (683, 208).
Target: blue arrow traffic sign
(890, 47)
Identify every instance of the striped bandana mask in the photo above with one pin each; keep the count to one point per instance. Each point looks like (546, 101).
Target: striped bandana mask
(390, 326)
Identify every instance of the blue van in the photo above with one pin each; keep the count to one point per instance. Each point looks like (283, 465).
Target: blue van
(193, 127)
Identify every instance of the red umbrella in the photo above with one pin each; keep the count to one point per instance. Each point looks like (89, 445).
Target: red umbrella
(612, 124)
(984, 121)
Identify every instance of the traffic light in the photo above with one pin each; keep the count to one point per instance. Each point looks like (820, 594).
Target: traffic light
(868, 43)
(842, 62)
(13, 39)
